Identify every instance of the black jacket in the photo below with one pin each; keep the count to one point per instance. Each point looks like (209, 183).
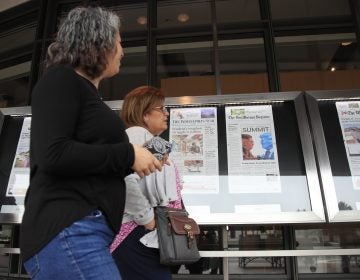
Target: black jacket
(79, 156)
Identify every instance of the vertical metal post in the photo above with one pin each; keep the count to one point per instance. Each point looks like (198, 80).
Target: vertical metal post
(38, 49)
(291, 262)
(225, 246)
(355, 11)
(269, 44)
(226, 268)
(151, 43)
(216, 63)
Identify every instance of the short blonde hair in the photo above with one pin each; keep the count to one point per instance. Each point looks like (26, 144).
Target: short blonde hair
(138, 102)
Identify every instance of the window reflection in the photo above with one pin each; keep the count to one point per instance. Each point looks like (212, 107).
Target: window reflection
(133, 17)
(186, 68)
(243, 66)
(5, 242)
(208, 240)
(133, 32)
(19, 37)
(132, 74)
(234, 11)
(14, 91)
(318, 62)
(180, 14)
(292, 9)
(332, 237)
(256, 238)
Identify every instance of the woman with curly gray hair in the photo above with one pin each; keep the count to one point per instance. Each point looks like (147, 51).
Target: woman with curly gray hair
(78, 155)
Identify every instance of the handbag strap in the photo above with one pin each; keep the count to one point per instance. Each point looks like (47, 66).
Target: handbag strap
(178, 202)
(182, 204)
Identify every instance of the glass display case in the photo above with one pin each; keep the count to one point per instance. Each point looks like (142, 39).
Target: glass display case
(14, 162)
(221, 185)
(335, 123)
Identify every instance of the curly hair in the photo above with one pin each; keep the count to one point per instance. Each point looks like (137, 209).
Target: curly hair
(138, 102)
(85, 38)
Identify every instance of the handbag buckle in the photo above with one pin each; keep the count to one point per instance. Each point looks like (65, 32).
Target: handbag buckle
(190, 234)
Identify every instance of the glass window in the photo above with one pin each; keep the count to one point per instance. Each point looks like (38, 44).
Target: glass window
(17, 37)
(133, 18)
(243, 66)
(5, 5)
(180, 14)
(209, 240)
(318, 62)
(133, 15)
(295, 9)
(332, 237)
(256, 238)
(132, 74)
(185, 68)
(14, 83)
(16, 46)
(19, 31)
(6, 232)
(233, 11)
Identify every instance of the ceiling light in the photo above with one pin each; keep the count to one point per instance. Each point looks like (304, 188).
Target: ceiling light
(183, 17)
(141, 20)
(332, 69)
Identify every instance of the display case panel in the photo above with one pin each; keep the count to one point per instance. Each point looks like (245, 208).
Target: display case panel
(220, 185)
(14, 162)
(335, 122)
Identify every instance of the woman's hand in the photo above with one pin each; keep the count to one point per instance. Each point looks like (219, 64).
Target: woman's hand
(150, 226)
(145, 163)
(166, 160)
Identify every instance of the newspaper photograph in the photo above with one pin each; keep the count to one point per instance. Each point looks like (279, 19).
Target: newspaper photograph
(349, 118)
(193, 134)
(20, 172)
(251, 150)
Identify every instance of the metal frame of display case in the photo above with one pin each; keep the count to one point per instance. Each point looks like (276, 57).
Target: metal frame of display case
(326, 176)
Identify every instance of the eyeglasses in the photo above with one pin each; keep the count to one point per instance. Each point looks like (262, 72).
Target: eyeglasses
(161, 109)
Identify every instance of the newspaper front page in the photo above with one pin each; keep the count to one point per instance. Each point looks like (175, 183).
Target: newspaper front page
(349, 117)
(193, 133)
(251, 150)
(20, 172)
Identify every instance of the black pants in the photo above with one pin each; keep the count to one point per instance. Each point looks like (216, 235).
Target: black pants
(138, 262)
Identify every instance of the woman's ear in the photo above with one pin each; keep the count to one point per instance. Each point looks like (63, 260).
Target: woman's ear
(146, 118)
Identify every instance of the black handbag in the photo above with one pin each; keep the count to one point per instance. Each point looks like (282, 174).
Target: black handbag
(177, 236)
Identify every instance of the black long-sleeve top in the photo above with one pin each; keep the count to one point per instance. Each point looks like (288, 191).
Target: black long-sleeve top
(79, 156)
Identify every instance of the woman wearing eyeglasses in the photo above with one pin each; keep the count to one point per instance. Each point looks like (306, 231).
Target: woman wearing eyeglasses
(144, 114)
